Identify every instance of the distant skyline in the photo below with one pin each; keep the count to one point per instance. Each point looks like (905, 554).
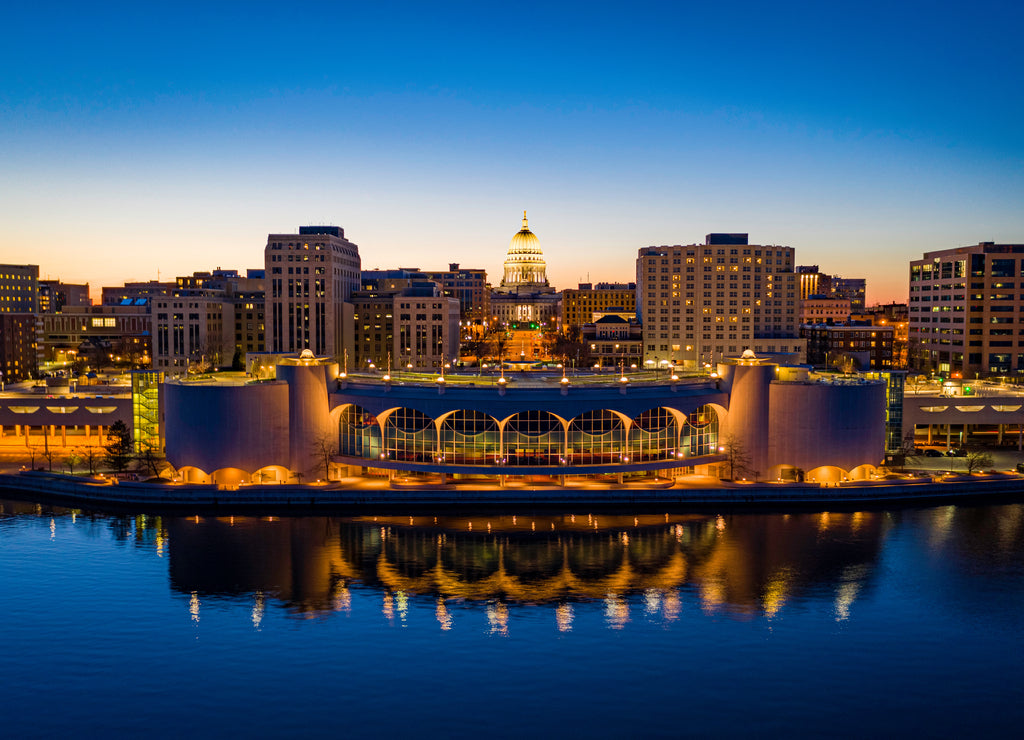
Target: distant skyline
(135, 139)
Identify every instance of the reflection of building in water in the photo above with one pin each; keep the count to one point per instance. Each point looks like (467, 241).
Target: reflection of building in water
(742, 564)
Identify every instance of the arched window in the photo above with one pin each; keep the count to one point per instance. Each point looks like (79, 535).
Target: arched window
(409, 436)
(470, 438)
(653, 436)
(534, 438)
(700, 433)
(359, 434)
(596, 438)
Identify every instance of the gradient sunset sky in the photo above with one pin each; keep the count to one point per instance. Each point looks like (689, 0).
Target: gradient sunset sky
(173, 137)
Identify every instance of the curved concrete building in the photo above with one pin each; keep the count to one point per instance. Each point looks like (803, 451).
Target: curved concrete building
(215, 425)
(311, 422)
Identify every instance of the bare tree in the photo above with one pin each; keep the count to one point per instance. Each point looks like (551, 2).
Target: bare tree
(91, 457)
(908, 451)
(151, 458)
(325, 447)
(977, 459)
(737, 457)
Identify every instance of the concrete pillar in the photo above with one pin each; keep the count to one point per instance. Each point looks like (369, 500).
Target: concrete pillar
(999, 433)
(929, 433)
(64, 435)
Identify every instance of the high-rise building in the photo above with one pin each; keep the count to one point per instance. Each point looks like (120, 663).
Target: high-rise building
(580, 304)
(701, 302)
(813, 281)
(965, 309)
(311, 277)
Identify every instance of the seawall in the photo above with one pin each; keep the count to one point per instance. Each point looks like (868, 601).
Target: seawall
(77, 491)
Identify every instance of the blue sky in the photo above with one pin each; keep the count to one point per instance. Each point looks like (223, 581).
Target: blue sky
(139, 137)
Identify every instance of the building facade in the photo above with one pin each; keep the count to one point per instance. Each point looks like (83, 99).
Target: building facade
(18, 351)
(854, 290)
(822, 310)
(311, 277)
(858, 346)
(965, 309)
(469, 287)
(19, 289)
(701, 302)
(579, 305)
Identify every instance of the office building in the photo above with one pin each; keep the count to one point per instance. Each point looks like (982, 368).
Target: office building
(19, 289)
(311, 277)
(588, 302)
(965, 311)
(54, 296)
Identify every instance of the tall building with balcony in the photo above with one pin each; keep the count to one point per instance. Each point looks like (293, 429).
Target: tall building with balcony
(311, 277)
(965, 310)
(702, 302)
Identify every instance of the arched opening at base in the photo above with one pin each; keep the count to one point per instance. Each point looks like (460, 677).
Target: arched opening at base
(190, 474)
(863, 472)
(827, 474)
(229, 476)
(786, 474)
(269, 474)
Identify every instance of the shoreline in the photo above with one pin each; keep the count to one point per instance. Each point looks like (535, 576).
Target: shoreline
(74, 491)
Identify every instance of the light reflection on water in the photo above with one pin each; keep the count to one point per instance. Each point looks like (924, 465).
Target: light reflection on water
(797, 615)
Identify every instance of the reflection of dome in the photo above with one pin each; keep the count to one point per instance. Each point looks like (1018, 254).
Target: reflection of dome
(524, 263)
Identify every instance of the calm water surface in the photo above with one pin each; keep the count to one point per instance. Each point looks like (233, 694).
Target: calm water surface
(837, 624)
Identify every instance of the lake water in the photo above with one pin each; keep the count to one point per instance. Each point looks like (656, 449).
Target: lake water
(822, 624)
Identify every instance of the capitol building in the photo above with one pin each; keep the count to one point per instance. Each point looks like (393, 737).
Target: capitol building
(525, 296)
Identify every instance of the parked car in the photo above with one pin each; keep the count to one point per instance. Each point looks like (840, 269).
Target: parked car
(956, 452)
(932, 453)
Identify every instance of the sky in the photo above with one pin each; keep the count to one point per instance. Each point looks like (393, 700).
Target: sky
(146, 140)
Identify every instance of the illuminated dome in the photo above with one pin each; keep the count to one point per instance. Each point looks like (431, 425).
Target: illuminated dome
(524, 263)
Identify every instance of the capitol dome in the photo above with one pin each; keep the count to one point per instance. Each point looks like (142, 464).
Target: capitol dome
(524, 263)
